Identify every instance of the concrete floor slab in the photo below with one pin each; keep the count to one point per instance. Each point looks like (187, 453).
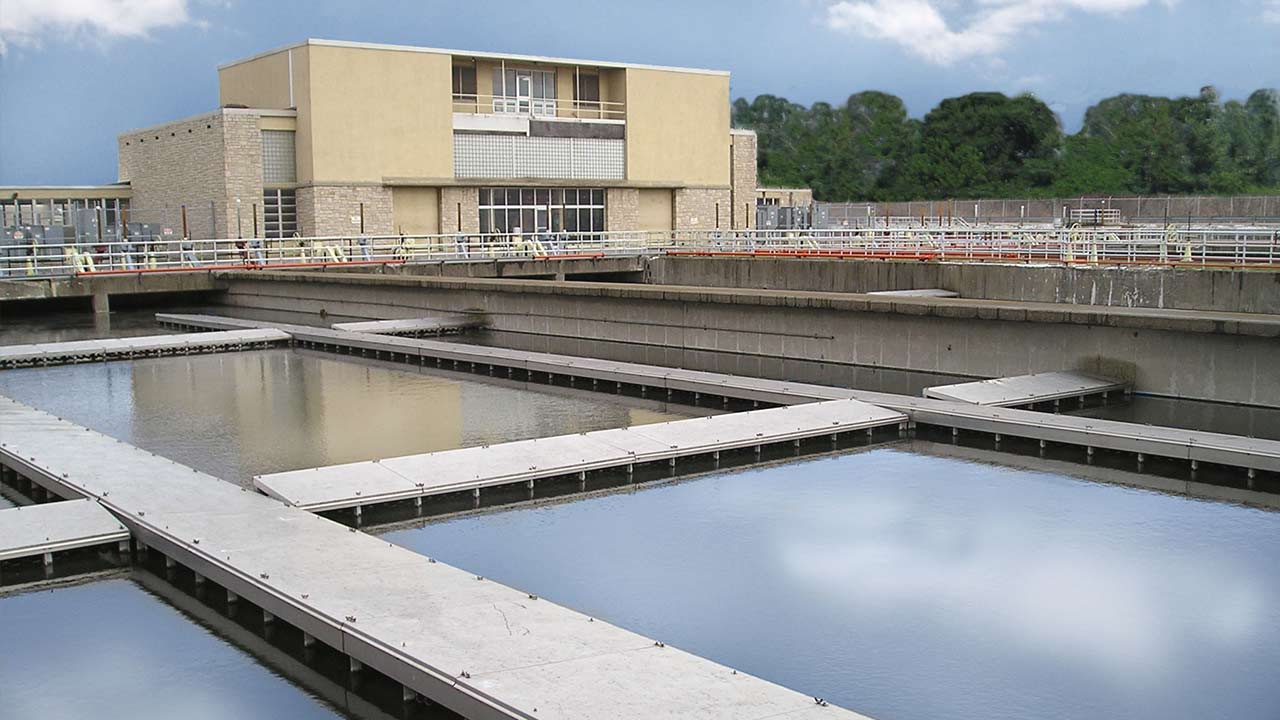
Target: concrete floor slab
(35, 530)
(1026, 389)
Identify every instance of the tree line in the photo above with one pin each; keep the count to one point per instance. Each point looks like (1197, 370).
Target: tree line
(987, 144)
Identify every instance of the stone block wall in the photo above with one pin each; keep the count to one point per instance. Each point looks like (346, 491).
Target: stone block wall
(742, 177)
(334, 210)
(622, 209)
(203, 163)
(180, 163)
(455, 199)
(242, 170)
(696, 208)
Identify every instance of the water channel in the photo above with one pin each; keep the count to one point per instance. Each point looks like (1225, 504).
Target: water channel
(901, 580)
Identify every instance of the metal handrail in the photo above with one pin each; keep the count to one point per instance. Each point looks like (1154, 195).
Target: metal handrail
(1154, 245)
(485, 104)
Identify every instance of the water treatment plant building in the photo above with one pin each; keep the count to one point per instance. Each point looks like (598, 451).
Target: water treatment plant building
(332, 138)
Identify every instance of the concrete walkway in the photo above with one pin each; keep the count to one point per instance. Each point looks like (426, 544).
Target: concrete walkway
(480, 648)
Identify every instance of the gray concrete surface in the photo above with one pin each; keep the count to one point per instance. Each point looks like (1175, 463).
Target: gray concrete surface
(1191, 445)
(35, 530)
(474, 468)
(1024, 390)
(436, 325)
(133, 283)
(1191, 288)
(479, 648)
(1215, 356)
(79, 351)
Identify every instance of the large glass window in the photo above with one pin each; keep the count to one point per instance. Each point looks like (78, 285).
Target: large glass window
(532, 211)
(280, 212)
(586, 91)
(524, 91)
(464, 82)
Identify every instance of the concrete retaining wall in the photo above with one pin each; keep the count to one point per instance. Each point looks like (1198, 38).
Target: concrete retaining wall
(1251, 291)
(1197, 355)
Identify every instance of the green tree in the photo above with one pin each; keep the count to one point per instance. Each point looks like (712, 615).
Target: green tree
(988, 144)
(1251, 133)
(1016, 141)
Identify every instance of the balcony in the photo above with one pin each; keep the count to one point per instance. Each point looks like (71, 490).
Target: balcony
(540, 108)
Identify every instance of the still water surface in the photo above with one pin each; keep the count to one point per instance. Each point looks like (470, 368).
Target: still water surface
(235, 415)
(112, 649)
(900, 584)
(914, 587)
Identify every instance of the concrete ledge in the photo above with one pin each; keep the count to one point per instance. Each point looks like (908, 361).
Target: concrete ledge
(1196, 321)
(133, 283)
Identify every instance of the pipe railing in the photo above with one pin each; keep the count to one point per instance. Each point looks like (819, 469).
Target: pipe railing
(1153, 245)
(484, 104)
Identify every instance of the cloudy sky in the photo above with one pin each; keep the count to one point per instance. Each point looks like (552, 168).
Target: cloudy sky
(75, 73)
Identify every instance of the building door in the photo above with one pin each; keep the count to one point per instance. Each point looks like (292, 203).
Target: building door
(524, 91)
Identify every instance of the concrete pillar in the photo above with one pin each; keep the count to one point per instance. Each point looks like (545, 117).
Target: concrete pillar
(101, 302)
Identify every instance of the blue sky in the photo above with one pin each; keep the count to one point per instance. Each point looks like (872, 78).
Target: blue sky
(75, 73)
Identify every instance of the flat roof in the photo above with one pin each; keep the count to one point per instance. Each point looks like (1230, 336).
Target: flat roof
(265, 112)
(470, 53)
(58, 192)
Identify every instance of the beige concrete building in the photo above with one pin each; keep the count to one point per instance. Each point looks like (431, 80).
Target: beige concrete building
(328, 138)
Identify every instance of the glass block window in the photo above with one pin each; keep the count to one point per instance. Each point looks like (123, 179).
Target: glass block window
(278, 163)
(280, 212)
(520, 156)
(542, 210)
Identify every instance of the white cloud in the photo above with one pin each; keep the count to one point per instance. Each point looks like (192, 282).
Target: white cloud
(987, 28)
(29, 22)
(1271, 11)
(1043, 584)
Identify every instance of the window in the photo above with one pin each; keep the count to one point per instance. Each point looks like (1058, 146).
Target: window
(464, 82)
(280, 213)
(586, 90)
(524, 91)
(542, 210)
(278, 165)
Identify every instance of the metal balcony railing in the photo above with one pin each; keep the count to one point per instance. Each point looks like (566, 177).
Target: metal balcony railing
(539, 107)
(1255, 247)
